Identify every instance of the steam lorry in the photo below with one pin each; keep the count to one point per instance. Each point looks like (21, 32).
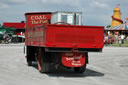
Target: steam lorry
(59, 39)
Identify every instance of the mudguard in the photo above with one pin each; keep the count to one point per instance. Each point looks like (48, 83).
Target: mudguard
(72, 59)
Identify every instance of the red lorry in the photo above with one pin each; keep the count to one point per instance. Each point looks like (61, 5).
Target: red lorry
(58, 39)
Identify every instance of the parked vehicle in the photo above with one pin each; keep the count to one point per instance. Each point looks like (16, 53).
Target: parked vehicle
(59, 39)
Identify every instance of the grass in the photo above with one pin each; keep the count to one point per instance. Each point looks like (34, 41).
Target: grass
(125, 44)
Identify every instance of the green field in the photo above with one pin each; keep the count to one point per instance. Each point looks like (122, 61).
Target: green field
(125, 44)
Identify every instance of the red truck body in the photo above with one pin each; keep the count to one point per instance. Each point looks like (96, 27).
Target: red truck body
(73, 40)
(65, 36)
(61, 36)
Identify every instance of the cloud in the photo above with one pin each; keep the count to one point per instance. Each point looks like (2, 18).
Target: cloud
(2, 6)
(17, 1)
(98, 4)
(69, 3)
(95, 12)
(13, 2)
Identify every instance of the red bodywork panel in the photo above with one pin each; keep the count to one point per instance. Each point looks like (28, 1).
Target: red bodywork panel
(61, 36)
(65, 36)
(74, 36)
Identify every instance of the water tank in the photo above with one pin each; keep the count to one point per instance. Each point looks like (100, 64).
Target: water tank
(73, 18)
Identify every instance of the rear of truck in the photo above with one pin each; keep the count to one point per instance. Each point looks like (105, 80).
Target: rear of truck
(54, 42)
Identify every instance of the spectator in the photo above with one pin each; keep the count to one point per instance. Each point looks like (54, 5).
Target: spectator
(122, 38)
(119, 40)
(6, 37)
(127, 39)
(106, 39)
(116, 38)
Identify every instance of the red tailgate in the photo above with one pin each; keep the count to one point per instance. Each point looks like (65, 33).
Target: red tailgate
(70, 36)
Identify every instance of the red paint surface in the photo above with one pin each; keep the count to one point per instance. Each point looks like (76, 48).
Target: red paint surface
(62, 36)
(73, 59)
(66, 36)
(74, 36)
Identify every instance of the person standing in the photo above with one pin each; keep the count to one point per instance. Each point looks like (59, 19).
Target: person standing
(106, 39)
(6, 37)
(119, 40)
(127, 40)
(116, 38)
(122, 38)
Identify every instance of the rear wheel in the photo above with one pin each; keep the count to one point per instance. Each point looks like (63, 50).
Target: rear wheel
(80, 69)
(30, 55)
(43, 64)
(29, 63)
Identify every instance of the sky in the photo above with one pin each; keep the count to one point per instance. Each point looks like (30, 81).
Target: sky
(95, 12)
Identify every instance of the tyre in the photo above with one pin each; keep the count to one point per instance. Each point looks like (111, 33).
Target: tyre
(29, 63)
(80, 69)
(29, 55)
(43, 64)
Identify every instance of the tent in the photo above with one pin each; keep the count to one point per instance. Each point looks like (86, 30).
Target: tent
(122, 27)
